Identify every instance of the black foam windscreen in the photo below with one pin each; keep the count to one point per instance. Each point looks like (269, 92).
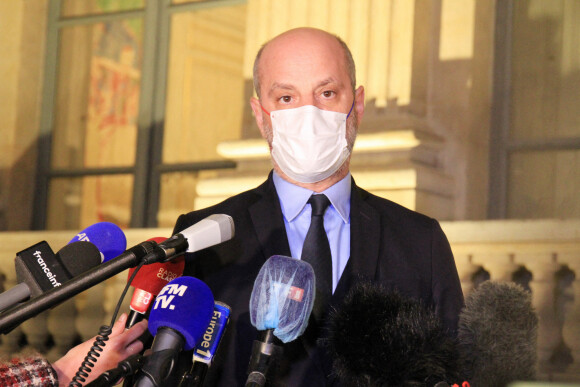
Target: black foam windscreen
(78, 257)
(381, 338)
(498, 335)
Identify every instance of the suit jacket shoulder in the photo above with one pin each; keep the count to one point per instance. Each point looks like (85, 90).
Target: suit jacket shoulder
(407, 250)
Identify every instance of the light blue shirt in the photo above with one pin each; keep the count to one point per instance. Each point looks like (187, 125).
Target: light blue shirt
(297, 213)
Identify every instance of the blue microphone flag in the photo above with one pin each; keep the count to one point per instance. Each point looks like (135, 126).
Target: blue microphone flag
(207, 348)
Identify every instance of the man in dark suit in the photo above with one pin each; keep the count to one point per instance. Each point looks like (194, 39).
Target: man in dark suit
(308, 110)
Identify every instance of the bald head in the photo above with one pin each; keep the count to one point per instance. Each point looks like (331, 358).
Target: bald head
(302, 42)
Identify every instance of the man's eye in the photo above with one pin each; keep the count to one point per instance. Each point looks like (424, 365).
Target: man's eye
(286, 99)
(327, 93)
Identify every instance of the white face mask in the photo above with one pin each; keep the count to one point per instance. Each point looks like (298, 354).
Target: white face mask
(309, 144)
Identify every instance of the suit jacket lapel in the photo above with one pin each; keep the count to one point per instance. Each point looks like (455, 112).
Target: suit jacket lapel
(365, 231)
(268, 222)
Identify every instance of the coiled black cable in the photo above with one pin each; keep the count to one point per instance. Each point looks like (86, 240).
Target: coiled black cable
(101, 339)
(92, 356)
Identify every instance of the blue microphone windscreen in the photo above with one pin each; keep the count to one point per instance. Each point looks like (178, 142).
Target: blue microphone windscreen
(282, 297)
(108, 237)
(186, 305)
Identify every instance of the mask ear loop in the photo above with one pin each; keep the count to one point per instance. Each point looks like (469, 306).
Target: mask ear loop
(265, 111)
(350, 111)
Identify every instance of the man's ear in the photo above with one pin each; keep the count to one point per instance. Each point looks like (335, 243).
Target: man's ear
(359, 104)
(258, 114)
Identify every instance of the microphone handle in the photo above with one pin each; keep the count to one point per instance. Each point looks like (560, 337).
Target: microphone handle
(124, 369)
(133, 318)
(14, 295)
(160, 363)
(265, 351)
(196, 376)
(11, 318)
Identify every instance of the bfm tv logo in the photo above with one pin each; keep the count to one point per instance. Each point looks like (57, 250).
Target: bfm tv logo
(167, 295)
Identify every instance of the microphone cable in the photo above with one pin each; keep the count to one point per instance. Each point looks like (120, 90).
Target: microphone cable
(102, 338)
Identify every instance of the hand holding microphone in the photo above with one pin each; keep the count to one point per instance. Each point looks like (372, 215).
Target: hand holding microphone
(121, 344)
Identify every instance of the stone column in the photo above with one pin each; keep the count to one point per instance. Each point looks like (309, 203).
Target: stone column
(571, 328)
(544, 268)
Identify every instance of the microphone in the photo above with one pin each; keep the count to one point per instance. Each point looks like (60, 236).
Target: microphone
(213, 229)
(497, 335)
(205, 351)
(280, 305)
(378, 337)
(178, 320)
(125, 368)
(107, 236)
(38, 269)
(210, 231)
(148, 282)
(33, 263)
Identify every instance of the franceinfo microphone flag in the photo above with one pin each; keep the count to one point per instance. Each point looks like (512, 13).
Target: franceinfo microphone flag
(280, 305)
(38, 261)
(212, 230)
(178, 320)
(38, 269)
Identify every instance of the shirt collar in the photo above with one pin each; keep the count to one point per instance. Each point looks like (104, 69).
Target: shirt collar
(293, 198)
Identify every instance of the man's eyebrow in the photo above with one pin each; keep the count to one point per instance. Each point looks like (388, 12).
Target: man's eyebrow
(279, 85)
(328, 81)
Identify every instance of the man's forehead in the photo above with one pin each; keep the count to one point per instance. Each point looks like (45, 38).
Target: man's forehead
(287, 68)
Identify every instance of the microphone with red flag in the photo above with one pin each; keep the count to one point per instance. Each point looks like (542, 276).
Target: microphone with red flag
(149, 281)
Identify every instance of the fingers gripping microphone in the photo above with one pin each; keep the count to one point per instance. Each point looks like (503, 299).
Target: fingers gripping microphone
(108, 237)
(179, 318)
(378, 337)
(38, 269)
(498, 335)
(210, 231)
(148, 282)
(280, 306)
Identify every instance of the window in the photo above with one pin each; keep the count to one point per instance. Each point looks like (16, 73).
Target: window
(137, 96)
(536, 147)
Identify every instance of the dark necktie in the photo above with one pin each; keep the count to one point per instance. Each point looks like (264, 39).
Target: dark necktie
(316, 251)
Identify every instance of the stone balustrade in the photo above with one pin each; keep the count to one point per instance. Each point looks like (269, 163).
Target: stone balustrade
(541, 255)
